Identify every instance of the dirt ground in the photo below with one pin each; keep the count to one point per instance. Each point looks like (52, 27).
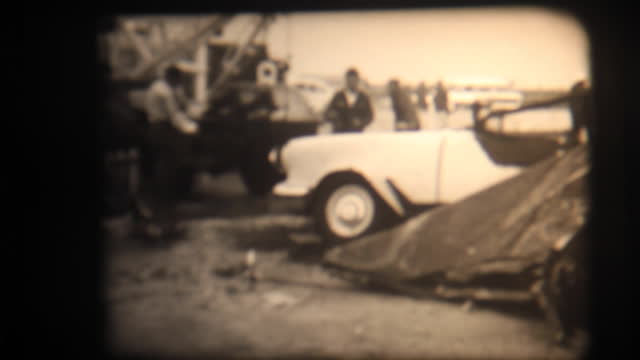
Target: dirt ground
(176, 301)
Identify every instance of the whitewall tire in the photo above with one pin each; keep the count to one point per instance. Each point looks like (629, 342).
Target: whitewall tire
(347, 209)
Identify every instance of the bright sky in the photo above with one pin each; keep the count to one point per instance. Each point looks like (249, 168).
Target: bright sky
(532, 47)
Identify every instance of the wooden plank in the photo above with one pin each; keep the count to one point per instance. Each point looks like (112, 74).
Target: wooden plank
(484, 294)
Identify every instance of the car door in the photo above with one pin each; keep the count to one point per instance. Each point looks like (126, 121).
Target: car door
(411, 164)
(465, 168)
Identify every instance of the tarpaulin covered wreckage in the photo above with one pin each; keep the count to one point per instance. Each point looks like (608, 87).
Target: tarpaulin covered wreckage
(513, 229)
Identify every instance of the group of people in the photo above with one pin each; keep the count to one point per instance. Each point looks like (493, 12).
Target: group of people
(170, 132)
(350, 109)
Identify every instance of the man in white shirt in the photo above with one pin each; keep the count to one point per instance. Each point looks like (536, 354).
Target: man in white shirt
(168, 139)
(166, 102)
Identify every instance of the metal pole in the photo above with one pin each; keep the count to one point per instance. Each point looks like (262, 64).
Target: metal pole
(201, 62)
(228, 70)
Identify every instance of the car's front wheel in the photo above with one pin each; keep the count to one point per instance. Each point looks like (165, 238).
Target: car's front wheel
(346, 209)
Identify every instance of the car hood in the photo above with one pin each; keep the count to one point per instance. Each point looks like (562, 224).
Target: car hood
(372, 140)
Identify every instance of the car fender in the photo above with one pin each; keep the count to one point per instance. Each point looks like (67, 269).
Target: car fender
(387, 194)
(381, 185)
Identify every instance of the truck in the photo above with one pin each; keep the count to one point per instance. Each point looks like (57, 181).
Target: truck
(222, 69)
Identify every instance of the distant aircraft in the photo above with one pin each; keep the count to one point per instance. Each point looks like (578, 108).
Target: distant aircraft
(496, 92)
(477, 82)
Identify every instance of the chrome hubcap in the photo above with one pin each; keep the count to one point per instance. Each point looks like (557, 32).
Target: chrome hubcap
(350, 211)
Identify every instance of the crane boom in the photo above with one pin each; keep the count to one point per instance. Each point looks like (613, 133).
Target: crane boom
(174, 52)
(228, 68)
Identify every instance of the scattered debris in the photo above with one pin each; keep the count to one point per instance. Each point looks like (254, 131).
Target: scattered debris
(230, 270)
(304, 238)
(250, 261)
(277, 299)
(484, 294)
(159, 273)
(231, 289)
(467, 306)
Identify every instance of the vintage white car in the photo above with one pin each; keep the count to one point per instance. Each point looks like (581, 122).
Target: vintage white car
(351, 182)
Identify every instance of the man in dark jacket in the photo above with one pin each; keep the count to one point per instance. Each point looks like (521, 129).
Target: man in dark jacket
(403, 108)
(421, 92)
(441, 98)
(441, 102)
(350, 109)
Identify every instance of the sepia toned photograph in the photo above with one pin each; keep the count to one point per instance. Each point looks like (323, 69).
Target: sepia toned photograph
(403, 184)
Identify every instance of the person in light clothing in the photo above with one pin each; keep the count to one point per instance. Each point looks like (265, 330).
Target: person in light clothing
(165, 151)
(166, 101)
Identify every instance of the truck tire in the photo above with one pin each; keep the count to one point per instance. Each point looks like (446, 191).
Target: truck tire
(258, 175)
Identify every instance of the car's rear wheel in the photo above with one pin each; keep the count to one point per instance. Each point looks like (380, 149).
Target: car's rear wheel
(347, 208)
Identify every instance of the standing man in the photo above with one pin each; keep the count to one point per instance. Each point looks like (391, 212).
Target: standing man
(441, 102)
(350, 109)
(403, 108)
(421, 92)
(167, 140)
(581, 106)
